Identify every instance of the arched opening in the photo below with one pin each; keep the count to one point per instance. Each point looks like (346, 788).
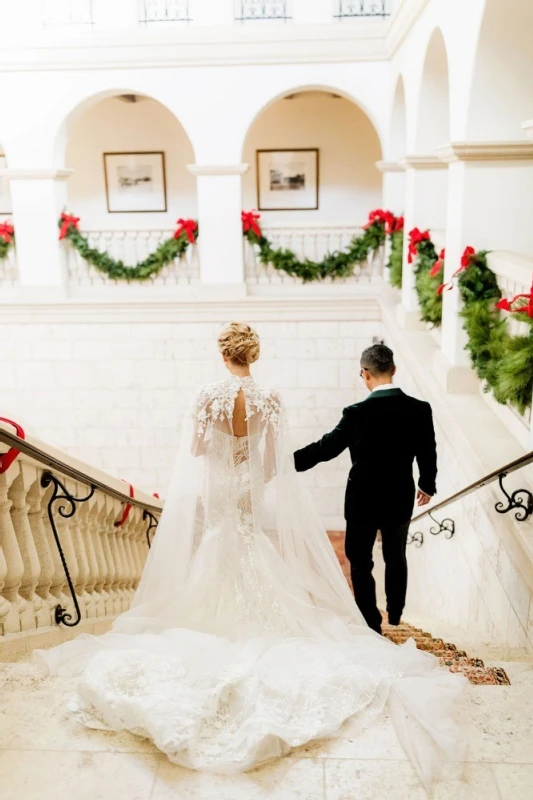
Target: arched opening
(502, 88)
(348, 147)
(129, 156)
(433, 124)
(398, 128)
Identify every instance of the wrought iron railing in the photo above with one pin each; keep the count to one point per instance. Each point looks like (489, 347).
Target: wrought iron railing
(164, 11)
(519, 501)
(249, 10)
(68, 12)
(349, 9)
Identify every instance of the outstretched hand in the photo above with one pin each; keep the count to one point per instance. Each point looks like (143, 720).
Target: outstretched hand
(422, 499)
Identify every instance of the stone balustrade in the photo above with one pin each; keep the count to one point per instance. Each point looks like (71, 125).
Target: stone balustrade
(104, 560)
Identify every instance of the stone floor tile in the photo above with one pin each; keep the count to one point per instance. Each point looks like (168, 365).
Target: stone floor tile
(286, 779)
(515, 781)
(502, 724)
(348, 779)
(41, 775)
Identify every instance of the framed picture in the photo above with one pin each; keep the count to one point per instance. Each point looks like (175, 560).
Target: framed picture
(5, 196)
(287, 180)
(135, 182)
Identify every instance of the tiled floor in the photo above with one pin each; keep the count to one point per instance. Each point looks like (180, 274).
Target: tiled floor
(45, 756)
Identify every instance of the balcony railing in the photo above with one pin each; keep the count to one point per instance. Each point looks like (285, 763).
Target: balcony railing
(130, 247)
(68, 12)
(249, 10)
(313, 242)
(350, 9)
(164, 11)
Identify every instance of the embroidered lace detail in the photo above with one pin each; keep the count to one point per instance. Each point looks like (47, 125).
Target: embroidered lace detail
(215, 402)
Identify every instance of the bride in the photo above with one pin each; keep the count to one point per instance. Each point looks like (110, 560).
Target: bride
(243, 640)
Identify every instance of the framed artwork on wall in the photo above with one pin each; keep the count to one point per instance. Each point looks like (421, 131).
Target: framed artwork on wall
(5, 196)
(135, 182)
(287, 180)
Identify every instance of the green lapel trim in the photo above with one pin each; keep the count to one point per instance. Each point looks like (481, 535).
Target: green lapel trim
(394, 392)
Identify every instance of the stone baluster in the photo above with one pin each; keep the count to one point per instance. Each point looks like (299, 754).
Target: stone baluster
(36, 519)
(5, 605)
(120, 535)
(30, 557)
(93, 546)
(139, 548)
(12, 555)
(131, 532)
(78, 545)
(96, 523)
(58, 588)
(84, 513)
(114, 511)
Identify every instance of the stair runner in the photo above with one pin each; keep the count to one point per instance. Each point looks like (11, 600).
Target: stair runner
(449, 656)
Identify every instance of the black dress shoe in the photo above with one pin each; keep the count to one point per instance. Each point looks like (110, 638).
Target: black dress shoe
(394, 620)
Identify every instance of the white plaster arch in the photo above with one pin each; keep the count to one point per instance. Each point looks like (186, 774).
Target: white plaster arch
(327, 89)
(501, 92)
(398, 122)
(433, 112)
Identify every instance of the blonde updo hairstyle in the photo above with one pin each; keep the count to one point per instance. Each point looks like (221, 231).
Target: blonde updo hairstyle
(239, 343)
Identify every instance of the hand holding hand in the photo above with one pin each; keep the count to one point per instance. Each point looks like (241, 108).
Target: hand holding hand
(422, 499)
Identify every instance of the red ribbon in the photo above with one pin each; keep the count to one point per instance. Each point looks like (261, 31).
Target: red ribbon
(415, 237)
(189, 227)
(387, 218)
(398, 224)
(127, 509)
(527, 308)
(6, 231)
(249, 222)
(466, 260)
(6, 459)
(438, 265)
(67, 222)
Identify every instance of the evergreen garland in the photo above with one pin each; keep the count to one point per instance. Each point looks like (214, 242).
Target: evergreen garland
(395, 262)
(335, 265)
(167, 252)
(7, 239)
(428, 277)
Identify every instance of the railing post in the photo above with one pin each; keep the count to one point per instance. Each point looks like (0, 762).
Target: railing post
(46, 562)
(12, 555)
(23, 531)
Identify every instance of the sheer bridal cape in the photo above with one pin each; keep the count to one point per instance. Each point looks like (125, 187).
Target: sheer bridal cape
(243, 639)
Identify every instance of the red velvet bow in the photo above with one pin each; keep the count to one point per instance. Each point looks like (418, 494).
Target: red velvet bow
(6, 231)
(398, 224)
(67, 222)
(249, 222)
(466, 259)
(385, 217)
(521, 308)
(127, 509)
(415, 237)
(438, 265)
(189, 227)
(6, 459)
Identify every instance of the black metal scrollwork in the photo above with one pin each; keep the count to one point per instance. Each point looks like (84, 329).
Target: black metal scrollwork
(67, 509)
(415, 538)
(153, 522)
(447, 526)
(520, 501)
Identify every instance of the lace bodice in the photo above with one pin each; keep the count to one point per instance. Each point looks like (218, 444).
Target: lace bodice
(214, 402)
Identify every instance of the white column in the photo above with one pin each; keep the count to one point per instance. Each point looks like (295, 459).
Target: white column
(425, 207)
(220, 241)
(38, 197)
(393, 194)
(212, 12)
(307, 12)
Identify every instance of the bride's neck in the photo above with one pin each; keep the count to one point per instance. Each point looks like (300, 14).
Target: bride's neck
(239, 372)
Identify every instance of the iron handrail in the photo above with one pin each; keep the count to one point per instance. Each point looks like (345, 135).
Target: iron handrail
(54, 463)
(500, 473)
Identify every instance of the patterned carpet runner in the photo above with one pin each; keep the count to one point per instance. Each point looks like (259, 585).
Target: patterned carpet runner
(449, 656)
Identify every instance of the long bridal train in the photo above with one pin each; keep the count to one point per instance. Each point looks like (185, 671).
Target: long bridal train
(243, 640)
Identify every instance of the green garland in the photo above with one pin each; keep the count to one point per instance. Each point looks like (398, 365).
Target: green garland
(167, 252)
(7, 239)
(5, 248)
(335, 265)
(395, 262)
(502, 361)
(427, 284)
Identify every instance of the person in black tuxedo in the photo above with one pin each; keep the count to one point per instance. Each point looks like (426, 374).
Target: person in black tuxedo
(385, 434)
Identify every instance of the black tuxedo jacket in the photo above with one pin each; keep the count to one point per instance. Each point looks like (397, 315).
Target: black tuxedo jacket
(385, 434)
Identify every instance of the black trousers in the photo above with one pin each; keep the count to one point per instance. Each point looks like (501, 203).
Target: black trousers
(360, 539)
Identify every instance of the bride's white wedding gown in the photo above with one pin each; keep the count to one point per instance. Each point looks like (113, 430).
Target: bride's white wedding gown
(243, 639)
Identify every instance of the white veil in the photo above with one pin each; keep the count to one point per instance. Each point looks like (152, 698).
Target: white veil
(241, 557)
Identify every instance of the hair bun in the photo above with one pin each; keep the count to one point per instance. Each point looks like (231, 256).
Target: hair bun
(239, 343)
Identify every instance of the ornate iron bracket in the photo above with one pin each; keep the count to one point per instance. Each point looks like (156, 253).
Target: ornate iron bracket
(67, 509)
(520, 501)
(447, 526)
(415, 538)
(153, 522)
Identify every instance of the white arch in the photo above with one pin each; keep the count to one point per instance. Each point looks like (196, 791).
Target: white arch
(501, 94)
(433, 117)
(326, 88)
(398, 122)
